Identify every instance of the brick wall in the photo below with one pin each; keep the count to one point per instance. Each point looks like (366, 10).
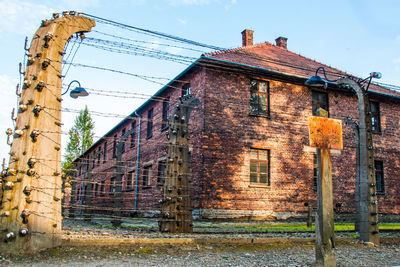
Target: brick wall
(222, 131)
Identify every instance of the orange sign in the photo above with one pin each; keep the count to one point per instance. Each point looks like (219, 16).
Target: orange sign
(325, 133)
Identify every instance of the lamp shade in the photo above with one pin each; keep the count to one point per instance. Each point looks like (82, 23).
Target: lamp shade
(316, 81)
(77, 92)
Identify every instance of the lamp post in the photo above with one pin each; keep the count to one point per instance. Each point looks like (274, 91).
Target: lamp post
(367, 201)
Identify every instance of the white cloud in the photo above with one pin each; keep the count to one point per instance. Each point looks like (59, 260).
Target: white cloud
(182, 21)
(22, 17)
(230, 4)
(174, 50)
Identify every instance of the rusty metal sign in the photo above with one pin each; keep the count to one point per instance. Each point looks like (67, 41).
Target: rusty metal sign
(325, 133)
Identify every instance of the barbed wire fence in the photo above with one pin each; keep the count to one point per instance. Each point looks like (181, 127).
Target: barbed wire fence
(117, 170)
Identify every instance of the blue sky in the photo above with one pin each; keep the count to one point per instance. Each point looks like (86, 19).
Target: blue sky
(354, 36)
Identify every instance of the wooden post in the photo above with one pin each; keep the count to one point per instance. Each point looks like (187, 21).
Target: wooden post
(325, 134)
(309, 215)
(324, 225)
(176, 207)
(31, 207)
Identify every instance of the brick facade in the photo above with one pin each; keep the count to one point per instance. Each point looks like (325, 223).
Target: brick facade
(222, 133)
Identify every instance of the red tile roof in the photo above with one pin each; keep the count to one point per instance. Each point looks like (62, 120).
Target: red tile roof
(271, 57)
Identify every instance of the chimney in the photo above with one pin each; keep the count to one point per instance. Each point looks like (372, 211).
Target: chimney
(281, 42)
(247, 37)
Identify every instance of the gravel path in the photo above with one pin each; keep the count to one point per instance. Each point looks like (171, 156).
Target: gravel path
(287, 253)
(249, 255)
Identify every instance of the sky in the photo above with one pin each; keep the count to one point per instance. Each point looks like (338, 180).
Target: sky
(357, 36)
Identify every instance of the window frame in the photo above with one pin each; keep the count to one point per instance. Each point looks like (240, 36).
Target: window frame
(150, 115)
(146, 176)
(318, 103)
(123, 131)
(115, 147)
(113, 185)
(258, 161)
(165, 113)
(161, 174)
(129, 180)
(377, 115)
(186, 89)
(105, 152)
(258, 93)
(133, 133)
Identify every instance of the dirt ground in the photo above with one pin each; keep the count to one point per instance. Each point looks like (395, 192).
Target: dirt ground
(204, 255)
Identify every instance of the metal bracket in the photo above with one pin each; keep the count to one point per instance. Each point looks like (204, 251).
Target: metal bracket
(17, 92)
(26, 44)
(13, 114)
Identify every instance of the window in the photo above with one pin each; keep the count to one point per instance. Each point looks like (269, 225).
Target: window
(123, 140)
(102, 188)
(165, 108)
(259, 97)
(376, 117)
(162, 167)
(113, 185)
(129, 180)
(105, 152)
(133, 133)
(146, 175)
(319, 100)
(99, 156)
(115, 146)
(315, 174)
(259, 166)
(78, 192)
(150, 123)
(380, 186)
(186, 89)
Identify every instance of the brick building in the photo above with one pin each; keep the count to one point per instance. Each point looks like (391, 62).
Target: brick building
(249, 139)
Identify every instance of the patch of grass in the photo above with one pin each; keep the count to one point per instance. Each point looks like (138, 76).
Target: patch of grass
(276, 227)
(389, 226)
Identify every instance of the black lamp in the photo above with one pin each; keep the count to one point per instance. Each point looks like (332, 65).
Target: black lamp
(317, 81)
(77, 91)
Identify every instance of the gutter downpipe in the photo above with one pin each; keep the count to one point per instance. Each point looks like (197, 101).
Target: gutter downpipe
(137, 161)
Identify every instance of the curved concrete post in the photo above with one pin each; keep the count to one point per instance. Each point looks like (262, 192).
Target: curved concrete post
(368, 217)
(33, 202)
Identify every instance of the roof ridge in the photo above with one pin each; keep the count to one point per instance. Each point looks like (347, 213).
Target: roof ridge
(218, 52)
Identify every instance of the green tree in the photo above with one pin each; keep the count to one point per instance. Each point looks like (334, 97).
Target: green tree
(80, 139)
